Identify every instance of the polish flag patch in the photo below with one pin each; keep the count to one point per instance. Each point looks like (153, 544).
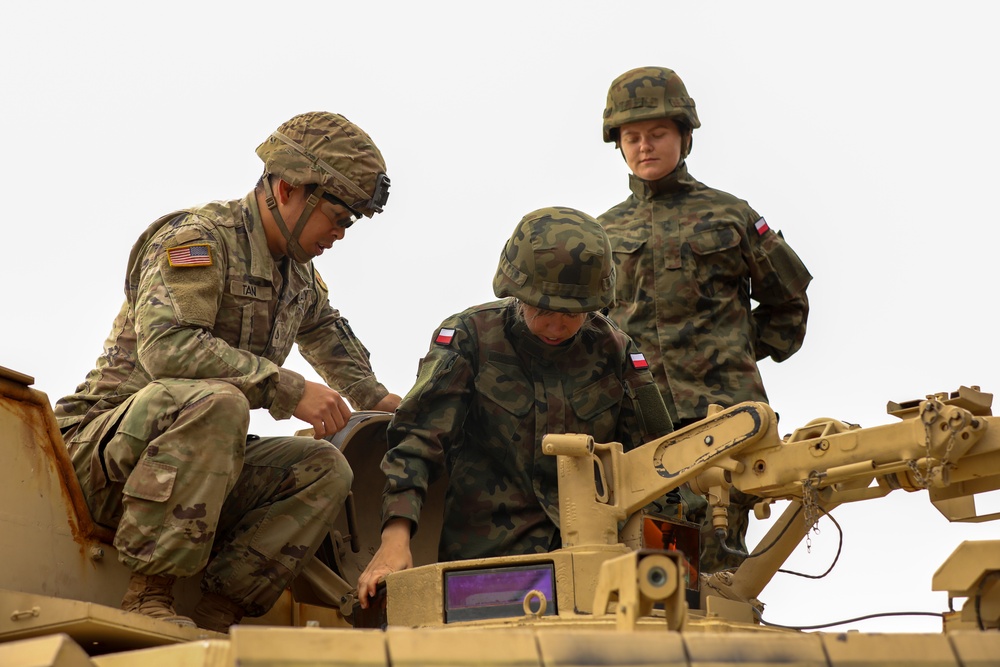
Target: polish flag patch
(638, 361)
(761, 226)
(445, 336)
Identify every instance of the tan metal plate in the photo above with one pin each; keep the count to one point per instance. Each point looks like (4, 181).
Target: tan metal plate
(96, 628)
(53, 651)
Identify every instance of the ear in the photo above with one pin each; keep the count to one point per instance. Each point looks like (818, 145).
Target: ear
(285, 190)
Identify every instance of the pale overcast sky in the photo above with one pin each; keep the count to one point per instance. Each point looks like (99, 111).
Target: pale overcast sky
(865, 131)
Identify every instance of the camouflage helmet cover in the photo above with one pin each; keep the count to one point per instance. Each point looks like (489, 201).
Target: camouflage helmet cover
(557, 259)
(328, 150)
(647, 93)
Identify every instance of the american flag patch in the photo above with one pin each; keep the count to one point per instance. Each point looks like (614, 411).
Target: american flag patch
(761, 226)
(444, 336)
(190, 255)
(638, 361)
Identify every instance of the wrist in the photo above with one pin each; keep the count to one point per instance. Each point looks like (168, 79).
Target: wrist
(397, 530)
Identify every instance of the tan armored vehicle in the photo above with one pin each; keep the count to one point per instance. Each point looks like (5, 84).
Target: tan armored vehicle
(617, 593)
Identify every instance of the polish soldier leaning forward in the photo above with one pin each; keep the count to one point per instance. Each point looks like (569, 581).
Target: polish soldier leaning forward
(690, 259)
(497, 378)
(215, 298)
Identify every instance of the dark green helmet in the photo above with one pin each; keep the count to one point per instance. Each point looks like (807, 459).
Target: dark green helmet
(557, 259)
(332, 152)
(647, 93)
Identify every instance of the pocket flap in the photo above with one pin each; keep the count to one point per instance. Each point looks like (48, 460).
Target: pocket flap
(505, 387)
(713, 240)
(627, 244)
(151, 480)
(597, 397)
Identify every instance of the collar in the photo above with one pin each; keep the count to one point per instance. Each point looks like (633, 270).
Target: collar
(261, 262)
(677, 181)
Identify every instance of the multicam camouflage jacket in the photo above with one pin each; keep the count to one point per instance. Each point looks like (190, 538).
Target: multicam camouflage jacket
(486, 393)
(689, 260)
(205, 299)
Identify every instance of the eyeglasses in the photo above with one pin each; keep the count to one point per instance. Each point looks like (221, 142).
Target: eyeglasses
(351, 219)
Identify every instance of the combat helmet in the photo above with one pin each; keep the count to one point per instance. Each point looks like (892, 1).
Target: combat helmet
(647, 93)
(326, 150)
(557, 259)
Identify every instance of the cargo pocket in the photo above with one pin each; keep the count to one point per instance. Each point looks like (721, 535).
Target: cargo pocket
(718, 261)
(146, 525)
(785, 274)
(433, 376)
(151, 480)
(354, 347)
(596, 406)
(627, 252)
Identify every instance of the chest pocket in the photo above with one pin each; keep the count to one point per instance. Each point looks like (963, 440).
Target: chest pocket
(718, 266)
(628, 253)
(597, 406)
(243, 315)
(507, 388)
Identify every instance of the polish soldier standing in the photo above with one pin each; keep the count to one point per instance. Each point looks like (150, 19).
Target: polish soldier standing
(215, 297)
(690, 259)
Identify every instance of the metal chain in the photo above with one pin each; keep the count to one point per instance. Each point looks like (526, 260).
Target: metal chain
(918, 477)
(951, 445)
(810, 508)
(929, 417)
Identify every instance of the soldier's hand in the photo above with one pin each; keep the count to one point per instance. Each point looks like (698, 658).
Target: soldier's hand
(392, 556)
(322, 408)
(389, 403)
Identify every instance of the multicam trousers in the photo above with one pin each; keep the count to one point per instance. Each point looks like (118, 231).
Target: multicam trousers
(173, 472)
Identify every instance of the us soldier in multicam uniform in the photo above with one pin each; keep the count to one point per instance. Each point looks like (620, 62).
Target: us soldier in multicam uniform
(215, 297)
(689, 261)
(496, 379)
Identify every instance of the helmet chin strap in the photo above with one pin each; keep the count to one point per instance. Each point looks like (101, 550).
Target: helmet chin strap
(292, 247)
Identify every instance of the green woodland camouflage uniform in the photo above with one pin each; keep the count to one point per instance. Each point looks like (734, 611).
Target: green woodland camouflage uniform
(158, 430)
(690, 259)
(489, 390)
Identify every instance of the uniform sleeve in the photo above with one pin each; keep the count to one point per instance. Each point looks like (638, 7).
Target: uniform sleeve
(426, 425)
(650, 420)
(328, 343)
(644, 416)
(175, 286)
(778, 282)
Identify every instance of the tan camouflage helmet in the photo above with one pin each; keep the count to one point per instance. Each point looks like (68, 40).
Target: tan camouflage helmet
(557, 259)
(328, 150)
(647, 93)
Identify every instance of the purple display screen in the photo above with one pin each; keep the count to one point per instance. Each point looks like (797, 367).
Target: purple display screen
(496, 592)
